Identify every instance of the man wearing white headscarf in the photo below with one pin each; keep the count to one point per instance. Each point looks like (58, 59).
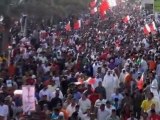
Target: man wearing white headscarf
(108, 84)
(154, 87)
(122, 76)
(95, 66)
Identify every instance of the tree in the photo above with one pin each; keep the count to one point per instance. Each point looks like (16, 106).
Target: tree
(48, 8)
(4, 11)
(40, 9)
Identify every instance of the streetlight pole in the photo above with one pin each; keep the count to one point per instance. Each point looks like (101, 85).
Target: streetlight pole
(9, 54)
(25, 26)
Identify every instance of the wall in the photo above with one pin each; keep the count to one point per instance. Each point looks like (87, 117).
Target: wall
(147, 2)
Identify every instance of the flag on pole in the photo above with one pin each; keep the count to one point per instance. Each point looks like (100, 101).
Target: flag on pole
(146, 29)
(140, 82)
(153, 27)
(91, 81)
(68, 26)
(77, 24)
(104, 6)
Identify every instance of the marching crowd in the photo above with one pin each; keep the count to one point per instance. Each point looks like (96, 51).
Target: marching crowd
(107, 70)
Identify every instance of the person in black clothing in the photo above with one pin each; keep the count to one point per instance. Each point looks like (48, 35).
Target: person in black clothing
(43, 102)
(55, 101)
(100, 90)
(8, 102)
(3, 94)
(64, 84)
(75, 115)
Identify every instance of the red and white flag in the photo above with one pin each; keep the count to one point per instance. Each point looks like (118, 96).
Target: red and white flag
(146, 29)
(77, 24)
(68, 27)
(104, 6)
(94, 10)
(153, 27)
(140, 82)
(91, 81)
(126, 19)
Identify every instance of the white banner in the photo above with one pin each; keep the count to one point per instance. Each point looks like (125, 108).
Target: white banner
(28, 97)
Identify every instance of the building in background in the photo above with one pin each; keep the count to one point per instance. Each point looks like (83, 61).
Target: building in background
(148, 5)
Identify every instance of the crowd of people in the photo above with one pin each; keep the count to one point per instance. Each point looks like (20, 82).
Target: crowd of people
(107, 70)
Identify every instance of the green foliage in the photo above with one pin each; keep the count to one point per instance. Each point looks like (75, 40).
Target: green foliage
(157, 5)
(53, 7)
(39, 9)
(43, 8)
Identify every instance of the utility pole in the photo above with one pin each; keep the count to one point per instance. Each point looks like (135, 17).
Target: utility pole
(25, 27)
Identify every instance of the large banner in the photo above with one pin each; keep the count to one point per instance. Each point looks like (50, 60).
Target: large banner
(28, 97)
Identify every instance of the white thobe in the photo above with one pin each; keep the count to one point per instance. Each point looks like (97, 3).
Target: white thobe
(108, 84)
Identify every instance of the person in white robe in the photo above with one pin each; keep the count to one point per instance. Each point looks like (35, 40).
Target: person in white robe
(144, 65)
(95, 66)
(122, 76)
(154, 90)
(108, 84)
